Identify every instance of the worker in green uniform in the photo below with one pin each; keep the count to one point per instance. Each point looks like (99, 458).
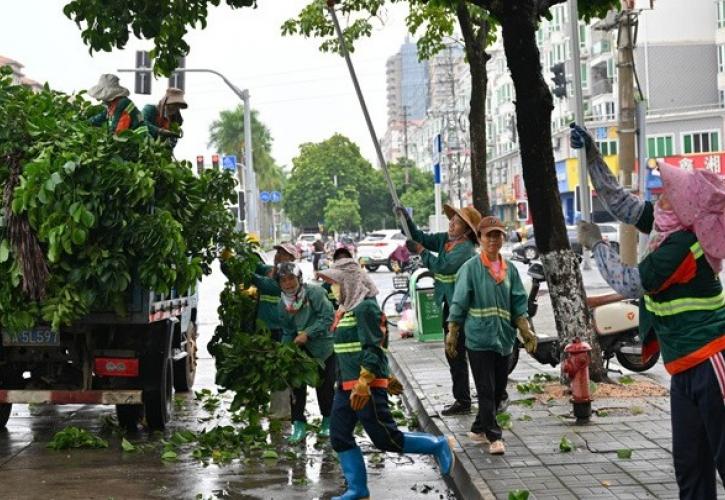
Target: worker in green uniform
(264, 278)
(164, 119)
(306, 316)
(490, 303)
(121, 113)
(363, 384)
(682, 306)
(443, 254)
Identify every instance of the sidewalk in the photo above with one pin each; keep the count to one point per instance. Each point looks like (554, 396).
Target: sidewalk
(533, 460)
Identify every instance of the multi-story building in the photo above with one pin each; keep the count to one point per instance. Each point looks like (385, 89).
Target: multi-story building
(407, 99)
(681, 71)
(18, 76)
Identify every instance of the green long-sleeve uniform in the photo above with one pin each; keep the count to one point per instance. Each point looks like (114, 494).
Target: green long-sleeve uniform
(446, 264)
(269, 297)
(488, 309)
(361, 341)
(314, 318)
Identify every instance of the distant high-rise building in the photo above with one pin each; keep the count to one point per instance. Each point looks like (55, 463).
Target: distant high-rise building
(18, 75)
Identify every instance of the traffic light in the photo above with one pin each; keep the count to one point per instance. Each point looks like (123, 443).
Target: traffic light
(215, 161)
(199, 164)
(178, 79)
(142, 83)
(559, 72)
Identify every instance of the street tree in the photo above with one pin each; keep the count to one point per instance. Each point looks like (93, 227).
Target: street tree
(342, 214)
(226, 134)
(323, 169)
(435, 23)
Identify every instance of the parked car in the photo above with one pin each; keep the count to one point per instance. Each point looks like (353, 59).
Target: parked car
(305, 241)
(610, 233)
(528, 250)
(374, 251)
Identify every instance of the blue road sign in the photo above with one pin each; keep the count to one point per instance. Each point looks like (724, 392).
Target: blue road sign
(265, 197)
(229, 162)
(275, 196)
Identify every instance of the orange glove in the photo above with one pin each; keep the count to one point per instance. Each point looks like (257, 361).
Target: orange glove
(360, 394)
(395, 387)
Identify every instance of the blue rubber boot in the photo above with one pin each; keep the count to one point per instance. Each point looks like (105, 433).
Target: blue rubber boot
(428, 444)
(299, 432)
(353, 467)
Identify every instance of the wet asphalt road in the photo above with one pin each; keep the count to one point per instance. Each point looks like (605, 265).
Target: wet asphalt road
(30, 470)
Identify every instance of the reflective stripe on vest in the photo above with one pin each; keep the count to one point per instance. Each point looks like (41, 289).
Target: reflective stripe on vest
(490, 311)
(348, 319)
(445, 278)
(270, 298)
(686, 304)
(348, 347)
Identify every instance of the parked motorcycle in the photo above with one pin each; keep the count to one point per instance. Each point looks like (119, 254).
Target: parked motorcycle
(616, 325)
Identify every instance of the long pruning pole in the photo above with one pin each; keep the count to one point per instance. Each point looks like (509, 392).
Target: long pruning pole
(371, 129)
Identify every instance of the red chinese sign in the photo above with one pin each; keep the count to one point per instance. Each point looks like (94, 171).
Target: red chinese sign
(714, 162)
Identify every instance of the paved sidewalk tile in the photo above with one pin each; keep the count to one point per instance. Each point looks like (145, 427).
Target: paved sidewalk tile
(533, 460)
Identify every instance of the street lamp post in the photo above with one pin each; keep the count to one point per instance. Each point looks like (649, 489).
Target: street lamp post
(251, 197)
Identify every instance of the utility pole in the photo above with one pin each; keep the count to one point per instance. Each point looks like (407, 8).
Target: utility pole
(579, 118)
(626, 128)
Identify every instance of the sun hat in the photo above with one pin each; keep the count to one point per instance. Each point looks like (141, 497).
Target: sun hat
(289, 248)
(490, 224)
(175, 96)
(469, 214)
(698, 199)
(108, 88)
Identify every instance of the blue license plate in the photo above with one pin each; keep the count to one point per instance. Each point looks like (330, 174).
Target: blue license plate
(38, 337)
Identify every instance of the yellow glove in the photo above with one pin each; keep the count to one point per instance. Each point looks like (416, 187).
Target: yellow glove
(360, 394)
(529, 337)
(394, 386)
(452, 339)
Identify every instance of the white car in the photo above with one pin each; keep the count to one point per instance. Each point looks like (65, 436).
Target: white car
(305, 241)
(377, 246)
(610, 233)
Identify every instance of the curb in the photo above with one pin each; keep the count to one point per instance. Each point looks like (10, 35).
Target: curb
(466, 485)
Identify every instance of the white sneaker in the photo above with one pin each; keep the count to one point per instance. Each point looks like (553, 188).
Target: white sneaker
(478, 437)
(497, 448)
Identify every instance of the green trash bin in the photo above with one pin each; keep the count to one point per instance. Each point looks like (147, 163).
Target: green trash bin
(428, 313)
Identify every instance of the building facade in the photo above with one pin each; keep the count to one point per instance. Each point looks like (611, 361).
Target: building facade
(18, 76)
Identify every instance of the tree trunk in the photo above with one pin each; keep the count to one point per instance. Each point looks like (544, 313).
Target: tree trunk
(533, 112)
(475, 47)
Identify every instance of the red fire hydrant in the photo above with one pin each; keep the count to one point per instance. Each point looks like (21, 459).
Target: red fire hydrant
(576, 367)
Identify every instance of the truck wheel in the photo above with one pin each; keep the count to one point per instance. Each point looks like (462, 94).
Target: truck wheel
(129, 416)
(514, 358)
(185, 369)
(5, 414)
(157, 402)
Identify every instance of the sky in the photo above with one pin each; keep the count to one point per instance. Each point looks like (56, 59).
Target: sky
(301, 94)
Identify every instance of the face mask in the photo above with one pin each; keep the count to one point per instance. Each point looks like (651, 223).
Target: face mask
(336, 292)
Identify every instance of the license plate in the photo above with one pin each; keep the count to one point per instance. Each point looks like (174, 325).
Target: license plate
(38, 337)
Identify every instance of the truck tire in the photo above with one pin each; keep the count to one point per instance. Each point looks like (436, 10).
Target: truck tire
(157, 402)
(129, 416)
(5, 409)
(185, 368)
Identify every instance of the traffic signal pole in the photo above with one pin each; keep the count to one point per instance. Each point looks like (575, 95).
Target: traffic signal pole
(584, 196)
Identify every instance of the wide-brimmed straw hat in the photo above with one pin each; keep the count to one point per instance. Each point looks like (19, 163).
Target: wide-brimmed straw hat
(490, 224)
(108, 88)
(289, 248)
(698, 199)
(469, 214)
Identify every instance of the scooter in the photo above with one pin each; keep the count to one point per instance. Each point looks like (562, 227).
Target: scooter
(616, 324)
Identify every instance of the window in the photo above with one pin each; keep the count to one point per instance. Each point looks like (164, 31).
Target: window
(583, 36)
(659, 146)
(721, 14)
(721, 58)
(584, 75)
(608, 147)
(721, 93)
(700, 142)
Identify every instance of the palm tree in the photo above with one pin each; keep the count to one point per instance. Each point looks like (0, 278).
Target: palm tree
(226, 135)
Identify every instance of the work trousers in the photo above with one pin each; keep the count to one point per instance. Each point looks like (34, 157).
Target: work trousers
(490, 374)
(697, 399)
(325, 393)
(375, 418)
(458, 365)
